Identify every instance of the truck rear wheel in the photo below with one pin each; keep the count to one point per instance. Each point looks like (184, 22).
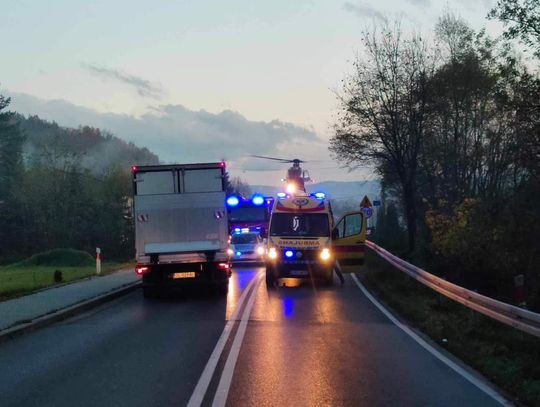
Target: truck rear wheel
(150, 292)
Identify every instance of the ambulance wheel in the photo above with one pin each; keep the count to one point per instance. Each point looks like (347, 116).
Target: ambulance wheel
(329, 279)
(270, 279)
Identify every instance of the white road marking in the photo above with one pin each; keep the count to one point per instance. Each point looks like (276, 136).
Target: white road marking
(222, 391)
(202, 385)
(458, 369)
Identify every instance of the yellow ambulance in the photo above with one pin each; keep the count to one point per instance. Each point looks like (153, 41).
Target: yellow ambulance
(304, 241)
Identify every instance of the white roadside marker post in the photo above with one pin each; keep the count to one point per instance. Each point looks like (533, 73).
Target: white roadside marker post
(98, 261)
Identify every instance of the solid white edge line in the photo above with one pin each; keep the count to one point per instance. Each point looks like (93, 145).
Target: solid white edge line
(458, 369)
(222, 391)
(202, 385)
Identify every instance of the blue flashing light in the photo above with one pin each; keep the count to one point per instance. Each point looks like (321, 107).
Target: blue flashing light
(289, 254)
(257, 200)
(238, 254)
(319, 195)
(281, 195)
(237, 230)
(233, 201)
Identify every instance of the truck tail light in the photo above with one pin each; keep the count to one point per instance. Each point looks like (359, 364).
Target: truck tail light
(223, 266)
(142, 270)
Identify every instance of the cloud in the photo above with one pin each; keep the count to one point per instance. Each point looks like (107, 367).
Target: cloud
(143, 87)
(477, 5)
(364, 10)
(178, 134)
(420, 3)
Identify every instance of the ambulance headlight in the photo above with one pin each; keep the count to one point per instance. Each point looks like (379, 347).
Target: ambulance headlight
(230, 252)
(325, 254)
(260, 250)
(272, 253)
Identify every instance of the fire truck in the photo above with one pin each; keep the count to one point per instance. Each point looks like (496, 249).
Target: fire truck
(251, 214)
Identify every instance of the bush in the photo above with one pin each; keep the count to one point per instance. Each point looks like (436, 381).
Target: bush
(59, 258)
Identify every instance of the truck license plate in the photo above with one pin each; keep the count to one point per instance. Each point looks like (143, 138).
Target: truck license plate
(299, 273)
(185, 274)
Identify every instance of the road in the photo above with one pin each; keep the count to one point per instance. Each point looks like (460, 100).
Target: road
(294, 346)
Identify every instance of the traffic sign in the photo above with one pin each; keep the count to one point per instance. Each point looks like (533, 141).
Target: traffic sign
(366, 203)
(368, 212)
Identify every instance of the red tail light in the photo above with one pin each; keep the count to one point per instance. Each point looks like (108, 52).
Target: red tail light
(223, 266)
(133, 168)
(142, 270)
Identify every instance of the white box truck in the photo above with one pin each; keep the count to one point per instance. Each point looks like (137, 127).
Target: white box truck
(181, 231)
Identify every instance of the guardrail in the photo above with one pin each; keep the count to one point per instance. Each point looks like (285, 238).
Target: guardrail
(511, 315)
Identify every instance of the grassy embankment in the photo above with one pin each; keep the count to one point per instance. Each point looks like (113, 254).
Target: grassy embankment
(38, 271)
(506, 356)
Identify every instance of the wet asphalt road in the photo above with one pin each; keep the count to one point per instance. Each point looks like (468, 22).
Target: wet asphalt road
(303, 346)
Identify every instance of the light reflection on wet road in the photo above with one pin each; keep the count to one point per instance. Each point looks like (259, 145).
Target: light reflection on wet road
(304, 345)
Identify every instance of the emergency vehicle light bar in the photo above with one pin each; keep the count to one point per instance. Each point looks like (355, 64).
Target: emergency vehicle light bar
(233, 201)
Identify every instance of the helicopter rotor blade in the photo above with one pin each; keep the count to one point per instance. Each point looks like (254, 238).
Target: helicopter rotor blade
(283, 160)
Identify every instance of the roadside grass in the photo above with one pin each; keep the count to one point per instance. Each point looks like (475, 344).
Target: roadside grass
(506, 356)
(59, 257)
(38, 271)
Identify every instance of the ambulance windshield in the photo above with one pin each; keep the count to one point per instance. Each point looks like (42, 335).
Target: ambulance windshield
(299, 224)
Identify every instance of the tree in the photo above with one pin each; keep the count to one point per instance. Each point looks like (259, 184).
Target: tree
(521, 19)
(11, 167)
(236, 186)
(384, 111)
(455, 36)
(11, 141)
(466, 151)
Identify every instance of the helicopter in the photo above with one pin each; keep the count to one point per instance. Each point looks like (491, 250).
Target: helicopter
(296, 176)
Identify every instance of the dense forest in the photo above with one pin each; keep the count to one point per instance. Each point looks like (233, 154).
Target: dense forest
(63, 187)
(451, 122)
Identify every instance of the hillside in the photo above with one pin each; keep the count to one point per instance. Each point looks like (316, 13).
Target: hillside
(92, 148)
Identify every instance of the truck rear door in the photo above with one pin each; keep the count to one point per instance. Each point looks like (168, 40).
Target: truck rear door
(180, 210)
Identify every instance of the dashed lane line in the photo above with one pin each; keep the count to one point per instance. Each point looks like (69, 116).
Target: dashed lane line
(202, 385)
(222, 391)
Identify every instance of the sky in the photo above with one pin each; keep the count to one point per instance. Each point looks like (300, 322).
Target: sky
(202, 80)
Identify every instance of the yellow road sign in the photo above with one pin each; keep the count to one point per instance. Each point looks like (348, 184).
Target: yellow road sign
(366, 203)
